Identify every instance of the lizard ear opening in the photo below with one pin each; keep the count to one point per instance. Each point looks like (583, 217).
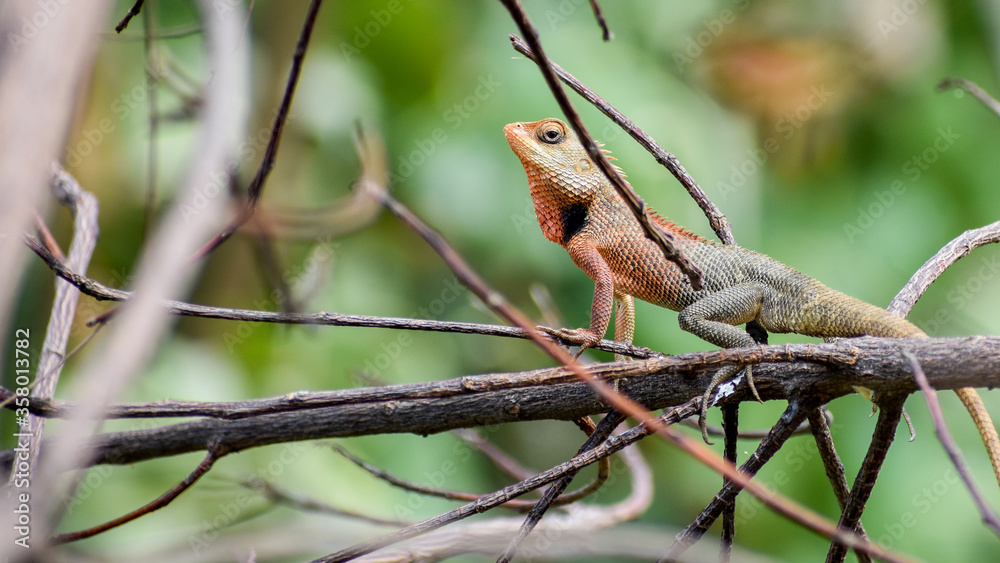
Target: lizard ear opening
(551, 132)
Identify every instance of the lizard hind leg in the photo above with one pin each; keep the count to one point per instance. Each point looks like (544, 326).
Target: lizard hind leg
(714, 318)
(624, 320)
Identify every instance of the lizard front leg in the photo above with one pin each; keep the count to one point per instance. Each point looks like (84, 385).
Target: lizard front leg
(712, 318)
(589, 259)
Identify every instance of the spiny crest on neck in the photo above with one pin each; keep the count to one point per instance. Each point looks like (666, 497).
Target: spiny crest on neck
(674, 227)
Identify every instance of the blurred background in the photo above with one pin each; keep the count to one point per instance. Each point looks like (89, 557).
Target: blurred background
(814, 126)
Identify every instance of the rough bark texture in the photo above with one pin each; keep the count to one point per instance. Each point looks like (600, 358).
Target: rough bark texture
(834, 370)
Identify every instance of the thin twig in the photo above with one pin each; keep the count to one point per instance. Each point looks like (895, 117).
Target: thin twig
(890, 412)
(599, 15)
(506, 463)
(552, 494)
(256, 187)
(379, 473)
(820, 426)
(278, 495)
(731, 425)
(950, 253)
(782, 430)
(213, 455)
(132, 12)
(152, 149)
(716, 219)
(179, 32)
(643, 214)
(948, 443)
(102, 292)
(973, 89)
(48, 239)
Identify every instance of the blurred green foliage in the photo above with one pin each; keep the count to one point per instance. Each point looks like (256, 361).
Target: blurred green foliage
(873, 172)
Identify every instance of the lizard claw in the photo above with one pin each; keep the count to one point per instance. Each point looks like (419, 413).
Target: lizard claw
(582, 336)
(720, 377)
(753, 388)
(703, 417)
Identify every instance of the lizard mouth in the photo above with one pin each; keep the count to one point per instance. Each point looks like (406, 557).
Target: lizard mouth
(514, 130)
(517, 137)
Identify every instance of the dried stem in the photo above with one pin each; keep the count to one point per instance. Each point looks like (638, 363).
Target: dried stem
(976, 91)
(552, 494)
(944, 436)
(599, 15)
(950, 253)
(789, 421)
(102, 292)
(891, 410)
(132, 12)
(213, 455)
(256, 187)
(378, 473)
(278, 495)
(731, 427)
(84, 208)
(834, 467)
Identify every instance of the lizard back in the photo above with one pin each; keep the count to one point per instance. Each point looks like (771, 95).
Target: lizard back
(575, 202)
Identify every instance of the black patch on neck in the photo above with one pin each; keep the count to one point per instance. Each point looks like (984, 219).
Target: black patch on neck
(574, 218)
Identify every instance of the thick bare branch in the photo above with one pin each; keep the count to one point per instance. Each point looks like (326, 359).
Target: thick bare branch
(436, 406)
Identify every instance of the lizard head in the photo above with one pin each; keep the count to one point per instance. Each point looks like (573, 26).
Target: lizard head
(554, 159)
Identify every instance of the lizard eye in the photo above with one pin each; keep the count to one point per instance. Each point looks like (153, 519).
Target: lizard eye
(552, 132)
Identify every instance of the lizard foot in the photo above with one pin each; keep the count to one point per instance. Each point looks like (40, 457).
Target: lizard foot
(723, 375)
(581, 336)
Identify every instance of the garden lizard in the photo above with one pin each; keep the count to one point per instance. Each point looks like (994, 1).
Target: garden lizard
(578, 208)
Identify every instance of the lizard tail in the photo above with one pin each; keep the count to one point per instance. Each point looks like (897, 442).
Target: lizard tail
(977, 410)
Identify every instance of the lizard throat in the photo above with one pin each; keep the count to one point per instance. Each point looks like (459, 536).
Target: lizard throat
(574, 219)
